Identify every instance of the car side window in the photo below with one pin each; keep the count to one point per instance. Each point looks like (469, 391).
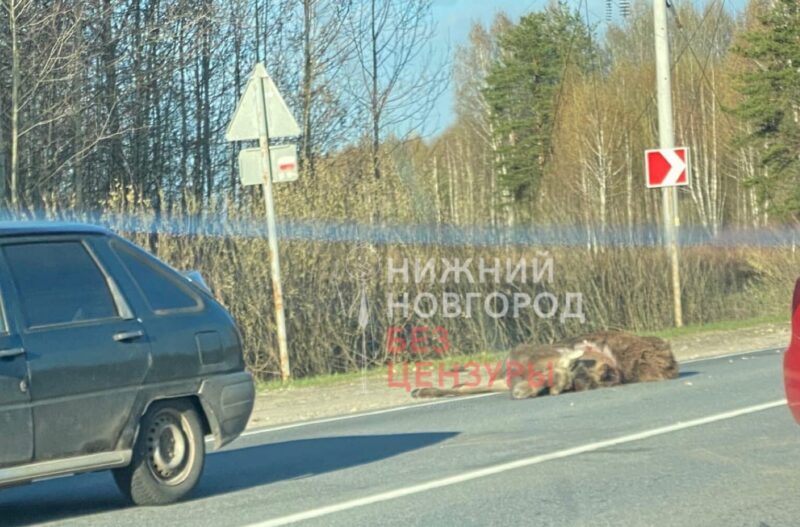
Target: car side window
(59, 283)
(163, 292)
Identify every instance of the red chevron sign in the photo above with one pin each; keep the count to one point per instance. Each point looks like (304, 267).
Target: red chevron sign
(667, 167)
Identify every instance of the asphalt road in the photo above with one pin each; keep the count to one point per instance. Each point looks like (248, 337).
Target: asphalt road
(715, 447)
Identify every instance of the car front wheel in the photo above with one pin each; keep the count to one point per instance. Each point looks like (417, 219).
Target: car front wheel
(168, 455)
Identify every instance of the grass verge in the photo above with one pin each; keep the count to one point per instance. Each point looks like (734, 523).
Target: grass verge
(722, 325)
(319, 381)
(446, 363)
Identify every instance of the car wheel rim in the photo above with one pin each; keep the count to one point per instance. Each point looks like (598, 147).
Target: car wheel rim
(169, 448)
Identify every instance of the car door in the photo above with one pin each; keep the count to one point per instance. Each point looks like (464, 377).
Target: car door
(87, 354)
(16, 424)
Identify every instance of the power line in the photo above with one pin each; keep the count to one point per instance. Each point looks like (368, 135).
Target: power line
(675, 62)
(704, 65)
(560, 93)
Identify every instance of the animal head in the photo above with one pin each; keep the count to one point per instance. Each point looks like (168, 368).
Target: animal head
(568, 357)
(595, 368)
(591, 374)
(592, 348)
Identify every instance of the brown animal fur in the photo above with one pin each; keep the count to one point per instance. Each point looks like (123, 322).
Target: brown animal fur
(640, 359)
(597, 368)
(608, 358)
(554, 363)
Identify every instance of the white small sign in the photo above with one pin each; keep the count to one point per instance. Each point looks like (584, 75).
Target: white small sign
(284, 165)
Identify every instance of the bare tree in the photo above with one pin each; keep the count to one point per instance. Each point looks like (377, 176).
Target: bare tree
(325, 53)
(43, 48)
(470, 68)
(395, 82)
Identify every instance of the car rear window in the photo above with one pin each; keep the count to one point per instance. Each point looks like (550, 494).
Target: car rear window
(163, 292)
(59, 283)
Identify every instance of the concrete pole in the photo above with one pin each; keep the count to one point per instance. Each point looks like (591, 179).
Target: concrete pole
(666, 135)
(272, 231)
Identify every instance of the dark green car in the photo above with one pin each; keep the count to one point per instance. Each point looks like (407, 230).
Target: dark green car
(110, 359)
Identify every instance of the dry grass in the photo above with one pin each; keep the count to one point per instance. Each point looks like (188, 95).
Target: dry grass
(625, 288)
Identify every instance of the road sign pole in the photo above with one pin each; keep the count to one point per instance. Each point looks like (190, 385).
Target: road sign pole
(272, 231)
(666, 135)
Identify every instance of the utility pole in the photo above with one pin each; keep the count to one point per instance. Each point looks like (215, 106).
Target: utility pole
(666, 135)
(272, 231)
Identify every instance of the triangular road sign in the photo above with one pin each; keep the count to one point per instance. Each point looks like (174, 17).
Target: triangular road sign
(280, 122)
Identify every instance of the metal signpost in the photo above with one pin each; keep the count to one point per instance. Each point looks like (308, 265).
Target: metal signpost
(666, 136)
(262, 114)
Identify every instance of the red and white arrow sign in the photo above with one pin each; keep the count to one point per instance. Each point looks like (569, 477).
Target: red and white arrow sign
(667, 167)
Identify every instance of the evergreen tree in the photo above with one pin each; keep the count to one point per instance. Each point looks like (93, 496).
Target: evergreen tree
(771, 104)
(523, 88)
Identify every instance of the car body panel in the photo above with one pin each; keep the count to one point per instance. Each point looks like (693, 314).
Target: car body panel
(791, 359)
(177, 337)
(228, 402)
(43, 228)
(19, 474)
(15, 410)
(88, 389)
(82, 381)
(82, 389)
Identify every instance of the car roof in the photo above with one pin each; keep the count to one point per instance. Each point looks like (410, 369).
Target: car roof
(27, 228)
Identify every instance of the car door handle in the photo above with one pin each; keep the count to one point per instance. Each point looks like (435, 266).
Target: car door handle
(126, 336)
(11, 352)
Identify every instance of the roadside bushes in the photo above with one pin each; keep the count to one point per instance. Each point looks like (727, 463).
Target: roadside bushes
(326, 276)
(324, 281)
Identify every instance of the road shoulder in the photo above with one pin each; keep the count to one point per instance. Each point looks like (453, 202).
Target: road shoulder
(372, 391)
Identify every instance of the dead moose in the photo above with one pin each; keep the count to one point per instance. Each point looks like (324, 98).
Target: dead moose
(586, 362)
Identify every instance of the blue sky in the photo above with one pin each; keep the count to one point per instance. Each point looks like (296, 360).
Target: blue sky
(455, 17)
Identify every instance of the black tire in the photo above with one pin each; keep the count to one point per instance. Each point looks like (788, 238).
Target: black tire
(168, 456)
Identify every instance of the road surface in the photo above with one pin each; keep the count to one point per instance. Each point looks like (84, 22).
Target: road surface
(715, 447)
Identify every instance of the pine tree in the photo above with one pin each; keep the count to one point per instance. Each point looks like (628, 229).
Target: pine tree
(523, 90)
(771, 104)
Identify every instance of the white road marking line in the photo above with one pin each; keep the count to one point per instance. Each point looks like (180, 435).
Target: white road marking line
(513, 465)
(734, 354)
(259, 431)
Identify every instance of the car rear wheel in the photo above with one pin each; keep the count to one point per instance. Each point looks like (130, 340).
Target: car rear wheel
(168, 455)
